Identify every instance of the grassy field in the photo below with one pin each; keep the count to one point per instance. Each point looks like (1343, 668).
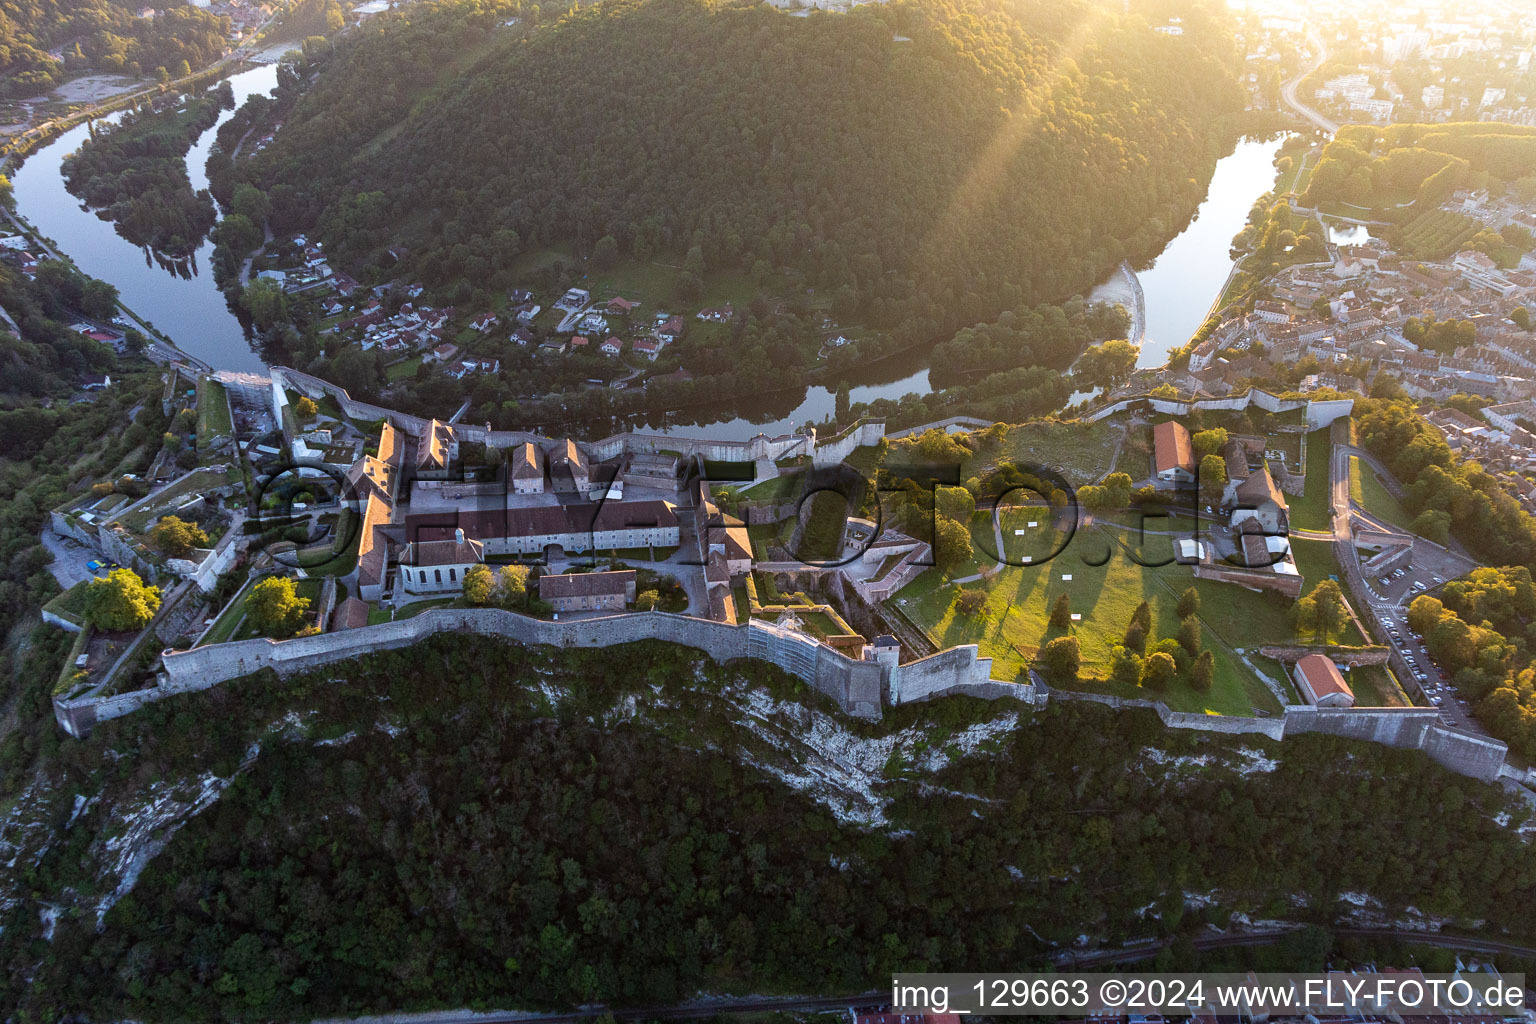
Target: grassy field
(1315, 562)
(1310, 512)
(403, 370)
(212, 412)
(1015, 621)
(1375, 687)
(1081, 452)
(1367, 491)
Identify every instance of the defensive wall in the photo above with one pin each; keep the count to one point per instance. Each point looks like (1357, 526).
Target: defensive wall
(1318, 413)
(1352, 656)
(860, 688)
(855, 685)
(1404, 728)
(752, 450)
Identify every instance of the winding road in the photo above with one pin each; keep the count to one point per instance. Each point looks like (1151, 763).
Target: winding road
(1288, 90)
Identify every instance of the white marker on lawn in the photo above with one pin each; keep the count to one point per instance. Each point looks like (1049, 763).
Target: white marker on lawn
(1077, 617)
(1066, 577)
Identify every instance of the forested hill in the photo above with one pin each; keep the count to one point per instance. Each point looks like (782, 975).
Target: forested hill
(44, 41)
(943, 160)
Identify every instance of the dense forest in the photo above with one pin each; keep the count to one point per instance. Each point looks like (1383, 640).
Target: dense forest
(468, 823)
(104, 36)
(134, 173)
(927, 164)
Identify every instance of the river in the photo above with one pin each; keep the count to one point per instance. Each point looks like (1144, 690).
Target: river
(1185, 279)
(189, 309)
(1180, 284)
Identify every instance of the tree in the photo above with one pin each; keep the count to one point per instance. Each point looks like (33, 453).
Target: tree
(275, 607)
(305, 409)
(1062, 658)
(1522, 317)
(1061, 613)
(951, 543)
(605, 254)
(1213, 479)
(1203, 673)
(971, 602)
(1142, 617)
(1135, 638)
(176, 538)
(1189, 602)
(1322, 612)
(512, 586)
(1433, 524)
(1158, 670)
(1189, 636)
(647, 600)
(265, 301)
(1125, 666)
(478, 585)
(119, 601)
(1108, 364)
(955, 502)
(251, 203)
(1425, 613)
(1209, 442)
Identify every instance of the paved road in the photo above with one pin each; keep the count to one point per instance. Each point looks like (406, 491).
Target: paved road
(1288, 90)
(157, 350)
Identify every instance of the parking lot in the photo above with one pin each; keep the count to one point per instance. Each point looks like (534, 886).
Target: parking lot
(1431, 566)
(1415, 666)
(70, 559)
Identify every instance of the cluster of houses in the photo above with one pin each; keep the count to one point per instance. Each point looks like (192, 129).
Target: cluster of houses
(312, 272)
(1370, 295)
(1502, 441)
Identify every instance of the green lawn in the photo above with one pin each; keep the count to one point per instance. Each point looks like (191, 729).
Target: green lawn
(1310, 512)
(69, 605)
(212, 412)
(1367, 491)
(1015, 622)
(403, 370)
(1315, 562)
(1375, 687)
(324, 559)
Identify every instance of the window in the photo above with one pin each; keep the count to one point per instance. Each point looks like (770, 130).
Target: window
(451, 577)
(438, 573)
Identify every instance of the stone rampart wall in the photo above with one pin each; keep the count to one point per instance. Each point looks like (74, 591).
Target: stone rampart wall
(1343, 655)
